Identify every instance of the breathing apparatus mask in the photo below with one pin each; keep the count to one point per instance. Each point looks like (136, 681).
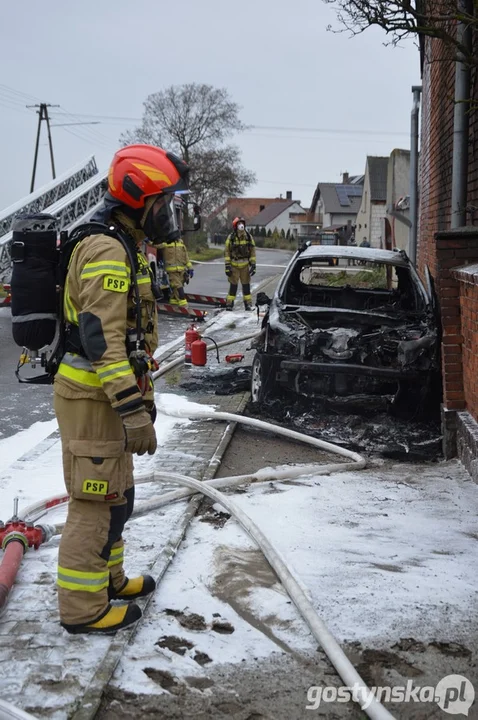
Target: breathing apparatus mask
(159, 220)
(240, 227)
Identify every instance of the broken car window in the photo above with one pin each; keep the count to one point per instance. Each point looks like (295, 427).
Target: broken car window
(334, 283)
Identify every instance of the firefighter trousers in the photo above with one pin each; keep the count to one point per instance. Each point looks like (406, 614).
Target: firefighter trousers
(98, 477)
(239, 274)
(176, 281)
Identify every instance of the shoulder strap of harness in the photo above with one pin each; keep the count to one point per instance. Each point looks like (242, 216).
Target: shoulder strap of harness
(68, 245)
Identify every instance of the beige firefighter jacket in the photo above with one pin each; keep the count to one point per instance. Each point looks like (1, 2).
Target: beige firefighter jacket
(240, 250)
(99, 299)
(175, 256)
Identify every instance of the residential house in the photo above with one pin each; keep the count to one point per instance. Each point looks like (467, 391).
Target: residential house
(373, 207)
(397, 220)
(334, 206)
(276, 216)
(244, 207)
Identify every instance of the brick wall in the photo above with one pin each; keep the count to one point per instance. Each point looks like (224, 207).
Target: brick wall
(467, 278)
(436, 151)
(442, 250)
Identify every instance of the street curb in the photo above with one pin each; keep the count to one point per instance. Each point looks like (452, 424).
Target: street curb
(93, 696)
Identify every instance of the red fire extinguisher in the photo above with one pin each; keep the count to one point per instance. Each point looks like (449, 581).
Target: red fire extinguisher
(190, 337)
(199, 352)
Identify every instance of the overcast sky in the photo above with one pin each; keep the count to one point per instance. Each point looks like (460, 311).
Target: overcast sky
(276, 58)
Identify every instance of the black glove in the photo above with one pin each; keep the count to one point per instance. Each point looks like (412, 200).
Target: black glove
(228, 270)
(252, 269)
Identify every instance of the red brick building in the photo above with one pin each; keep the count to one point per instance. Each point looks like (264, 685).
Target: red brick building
(451, 255)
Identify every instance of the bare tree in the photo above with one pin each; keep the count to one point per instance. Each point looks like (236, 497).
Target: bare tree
(194, 121)
(218, 174)
(403, 18)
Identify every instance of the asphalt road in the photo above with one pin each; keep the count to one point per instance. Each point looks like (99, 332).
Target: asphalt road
(22, 405)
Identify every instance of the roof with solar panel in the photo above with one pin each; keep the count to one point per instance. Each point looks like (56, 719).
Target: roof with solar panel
(339, 198)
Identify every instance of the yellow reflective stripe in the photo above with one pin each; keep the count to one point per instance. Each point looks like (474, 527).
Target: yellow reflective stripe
(110, 267)
(84, 377)
(114, 370)
(175, 268)
(112, 563)
(235, 263)
(104, 271)
(116, 557)
(144, 280)
(117, 551)
(84, 581)
(70, 311)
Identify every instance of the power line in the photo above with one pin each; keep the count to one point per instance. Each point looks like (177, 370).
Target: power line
(24, 96)
(96, 142)
(282, 128)
(326, 130)
(73, 123)
(284, 183)
(89, 133)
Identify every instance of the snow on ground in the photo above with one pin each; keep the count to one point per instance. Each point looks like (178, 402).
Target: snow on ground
(385, 553)
(33, 475)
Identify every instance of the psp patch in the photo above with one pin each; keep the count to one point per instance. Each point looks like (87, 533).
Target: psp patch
(95, 487)
(115, 284)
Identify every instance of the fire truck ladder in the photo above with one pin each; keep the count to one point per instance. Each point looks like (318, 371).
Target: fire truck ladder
(69, 210)
(45, 196)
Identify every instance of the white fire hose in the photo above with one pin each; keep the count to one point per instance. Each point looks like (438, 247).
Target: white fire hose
(294, 587)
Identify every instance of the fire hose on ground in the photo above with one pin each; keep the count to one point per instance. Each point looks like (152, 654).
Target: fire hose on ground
(294, 587)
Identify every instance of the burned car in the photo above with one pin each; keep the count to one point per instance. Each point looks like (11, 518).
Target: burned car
(349, 323)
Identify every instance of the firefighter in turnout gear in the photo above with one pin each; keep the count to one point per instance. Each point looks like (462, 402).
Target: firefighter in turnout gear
(103, 392)
(179, 268)
(240, 263)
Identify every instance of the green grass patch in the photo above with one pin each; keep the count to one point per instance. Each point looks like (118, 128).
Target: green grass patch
(204, 254)
(375, 278)
(172, 378)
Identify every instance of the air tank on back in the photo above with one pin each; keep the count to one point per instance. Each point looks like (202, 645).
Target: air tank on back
(35, 256)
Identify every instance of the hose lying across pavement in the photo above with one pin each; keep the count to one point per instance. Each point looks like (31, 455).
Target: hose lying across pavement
(342, 664)
(294, 588)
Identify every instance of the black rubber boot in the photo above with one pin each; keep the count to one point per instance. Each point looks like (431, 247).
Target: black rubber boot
(115, 618)
(247, 305)
(230, 306)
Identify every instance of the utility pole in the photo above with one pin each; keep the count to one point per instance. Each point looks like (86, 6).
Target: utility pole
(42, 115)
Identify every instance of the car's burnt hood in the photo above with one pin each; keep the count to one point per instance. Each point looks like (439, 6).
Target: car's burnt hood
(358, 336)
(295, 316)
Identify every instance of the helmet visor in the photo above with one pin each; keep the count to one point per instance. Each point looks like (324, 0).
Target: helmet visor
(160, 221)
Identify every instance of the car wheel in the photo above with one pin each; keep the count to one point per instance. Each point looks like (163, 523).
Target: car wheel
(262, 378)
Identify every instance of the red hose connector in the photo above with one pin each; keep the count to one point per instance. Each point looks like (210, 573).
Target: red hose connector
(24, 532)
(15, 539)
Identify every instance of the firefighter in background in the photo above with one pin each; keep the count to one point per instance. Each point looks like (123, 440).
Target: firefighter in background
(179, 268)
(103, 393)
(240, 262)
